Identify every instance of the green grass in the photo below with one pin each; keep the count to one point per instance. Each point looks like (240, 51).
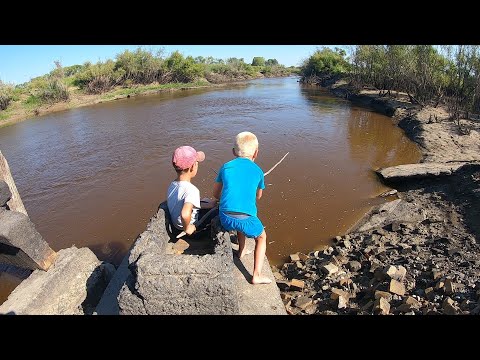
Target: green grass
(5, 114)
(152, 87)
(32, 102)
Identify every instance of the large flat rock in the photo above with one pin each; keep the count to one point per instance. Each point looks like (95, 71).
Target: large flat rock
(72, 286)
(416, 171)
(395, 211)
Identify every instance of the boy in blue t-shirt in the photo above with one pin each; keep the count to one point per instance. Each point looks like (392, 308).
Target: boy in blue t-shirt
(239, 184)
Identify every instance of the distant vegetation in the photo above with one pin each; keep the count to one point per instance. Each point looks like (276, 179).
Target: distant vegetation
(325, 63)
(428, 74)
(6, 95)
(134, 71)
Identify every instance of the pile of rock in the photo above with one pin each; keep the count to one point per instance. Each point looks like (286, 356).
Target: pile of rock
(399, 269)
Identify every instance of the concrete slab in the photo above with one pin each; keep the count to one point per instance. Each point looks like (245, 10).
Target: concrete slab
(108, 304)
(180, 282)
(72, 286)
(165, 283)
(263, 299)
(21, 244)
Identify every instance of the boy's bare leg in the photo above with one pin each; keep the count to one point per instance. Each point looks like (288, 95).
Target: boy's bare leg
(260, 248)
(241, 245)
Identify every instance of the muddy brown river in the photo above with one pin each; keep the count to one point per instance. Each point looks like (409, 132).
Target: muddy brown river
(94, 176)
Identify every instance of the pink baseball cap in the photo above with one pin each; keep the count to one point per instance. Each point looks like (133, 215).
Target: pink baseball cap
(185, 156)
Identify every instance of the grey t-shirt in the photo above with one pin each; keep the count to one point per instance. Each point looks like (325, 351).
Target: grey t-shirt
(178, 193)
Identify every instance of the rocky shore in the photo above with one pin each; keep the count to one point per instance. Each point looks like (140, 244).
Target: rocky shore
(419, 253)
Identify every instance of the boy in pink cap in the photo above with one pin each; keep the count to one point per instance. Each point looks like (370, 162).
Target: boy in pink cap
(183, 198)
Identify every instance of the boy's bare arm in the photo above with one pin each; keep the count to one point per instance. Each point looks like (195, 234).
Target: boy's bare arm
(187, 217)
(259, 193)
(217, 190)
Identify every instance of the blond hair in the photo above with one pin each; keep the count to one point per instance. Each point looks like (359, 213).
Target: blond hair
(246, 143)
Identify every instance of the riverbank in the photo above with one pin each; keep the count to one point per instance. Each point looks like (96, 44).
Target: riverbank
(418, 254)
(19, 111)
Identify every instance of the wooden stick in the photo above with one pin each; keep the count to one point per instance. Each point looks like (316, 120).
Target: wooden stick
(200, 221)
(274, 166)
(15, 203)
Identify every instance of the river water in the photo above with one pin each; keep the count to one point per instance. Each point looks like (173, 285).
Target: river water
(94, 176)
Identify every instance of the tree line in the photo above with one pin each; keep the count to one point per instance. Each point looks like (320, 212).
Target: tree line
(428, 74)
(132, 68)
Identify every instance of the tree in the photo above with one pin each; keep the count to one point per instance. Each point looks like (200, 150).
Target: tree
(5, 95)
(258, 61)
(325, 62)
(271, 62)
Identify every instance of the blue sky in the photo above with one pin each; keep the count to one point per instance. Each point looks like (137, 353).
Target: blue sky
(20, 63)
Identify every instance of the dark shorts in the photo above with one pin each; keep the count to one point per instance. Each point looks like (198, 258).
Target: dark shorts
(251, 226)
(202, 230)
(206, 223)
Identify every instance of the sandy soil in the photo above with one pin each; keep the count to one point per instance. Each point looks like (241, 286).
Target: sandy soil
(442, 140)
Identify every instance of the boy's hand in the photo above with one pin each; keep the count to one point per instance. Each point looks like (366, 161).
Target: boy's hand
(190, 229)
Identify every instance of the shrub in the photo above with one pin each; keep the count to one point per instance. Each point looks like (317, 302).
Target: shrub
(49, 89)
(6, 94)
(72, 70)
(98, 78)
(271, 62)
(326, 62)
(183, 69)
(54, 91)
(258, 61)
(278, 70)
(140, 66)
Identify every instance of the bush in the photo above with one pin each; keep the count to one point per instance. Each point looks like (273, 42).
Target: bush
(98, 78)
(72, 70)
(49, 89)
(141, 66)
(278, 70)
(98, 85)
(183, 69)
(258, 61)
(6, 94)
(325, 62)
(271, 62)
(218, 73)
(54, 91)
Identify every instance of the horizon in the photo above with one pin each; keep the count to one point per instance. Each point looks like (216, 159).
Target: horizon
(21, 63)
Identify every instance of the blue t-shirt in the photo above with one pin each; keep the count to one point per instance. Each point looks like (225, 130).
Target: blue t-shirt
(241, 178)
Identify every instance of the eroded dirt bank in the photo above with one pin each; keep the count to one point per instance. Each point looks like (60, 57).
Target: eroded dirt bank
(418, 254)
